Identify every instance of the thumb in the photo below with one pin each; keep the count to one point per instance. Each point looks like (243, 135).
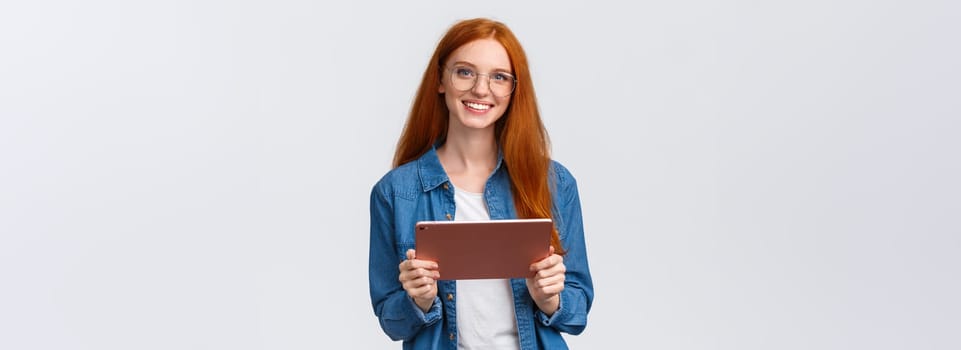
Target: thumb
(411, 254)
(551, 251)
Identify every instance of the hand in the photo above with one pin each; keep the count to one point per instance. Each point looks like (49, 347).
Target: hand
(547, 282)
(419, 278)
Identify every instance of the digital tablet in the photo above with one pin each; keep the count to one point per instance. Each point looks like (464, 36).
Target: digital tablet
(483, 249)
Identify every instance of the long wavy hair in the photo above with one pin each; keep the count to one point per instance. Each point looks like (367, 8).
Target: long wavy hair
(520, 133)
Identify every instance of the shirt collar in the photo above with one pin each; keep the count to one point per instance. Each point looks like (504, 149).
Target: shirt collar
(432, 173)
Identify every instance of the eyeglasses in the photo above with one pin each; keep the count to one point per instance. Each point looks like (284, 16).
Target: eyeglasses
(464, 78)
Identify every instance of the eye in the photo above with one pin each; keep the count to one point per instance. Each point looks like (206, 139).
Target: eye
(464, 72)
(503, 77)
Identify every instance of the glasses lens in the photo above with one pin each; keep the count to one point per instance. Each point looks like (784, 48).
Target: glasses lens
(464, 78)
(502, 84)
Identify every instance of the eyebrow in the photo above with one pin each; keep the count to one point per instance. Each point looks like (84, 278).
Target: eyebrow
(465, 63)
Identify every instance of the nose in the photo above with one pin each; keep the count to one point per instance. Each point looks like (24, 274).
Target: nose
(482, 89)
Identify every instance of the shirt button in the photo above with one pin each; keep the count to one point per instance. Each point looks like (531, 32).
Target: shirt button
(452, 336)
(446, 187)
(448, 216)
(450, 296)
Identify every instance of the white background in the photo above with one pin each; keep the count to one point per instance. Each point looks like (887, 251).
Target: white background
(754, 175)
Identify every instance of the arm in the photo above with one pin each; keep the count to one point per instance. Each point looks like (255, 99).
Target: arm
(400, 317)
(578, 293)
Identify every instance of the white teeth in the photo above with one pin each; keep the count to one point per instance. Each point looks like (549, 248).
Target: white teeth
(479, 106)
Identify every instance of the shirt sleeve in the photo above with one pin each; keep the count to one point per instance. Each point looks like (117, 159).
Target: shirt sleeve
(399, 316)
(578, 293)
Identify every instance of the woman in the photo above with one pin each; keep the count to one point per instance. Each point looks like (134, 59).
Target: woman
(474, 148)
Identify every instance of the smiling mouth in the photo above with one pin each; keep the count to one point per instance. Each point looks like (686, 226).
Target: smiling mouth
(478, 106)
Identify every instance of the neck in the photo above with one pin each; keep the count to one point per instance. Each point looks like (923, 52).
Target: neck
(469, 150)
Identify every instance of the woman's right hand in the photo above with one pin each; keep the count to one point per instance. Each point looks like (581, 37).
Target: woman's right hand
(419, 278)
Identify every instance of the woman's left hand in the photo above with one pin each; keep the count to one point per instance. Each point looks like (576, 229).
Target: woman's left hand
(547, 282)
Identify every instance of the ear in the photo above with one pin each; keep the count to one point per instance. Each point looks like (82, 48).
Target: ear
(440, 82)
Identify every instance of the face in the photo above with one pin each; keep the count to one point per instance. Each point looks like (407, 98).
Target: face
(476, 107)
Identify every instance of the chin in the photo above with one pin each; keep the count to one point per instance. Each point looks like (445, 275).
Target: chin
(472, 122)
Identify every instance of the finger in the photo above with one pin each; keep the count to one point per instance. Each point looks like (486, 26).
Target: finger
(539, 293)
(416, 282)
(546, 274)
(549, 281)
(551, 290)
(550, 253)
(537, 266)
(408, 275)
(547, 284)
(553, 270)
(422, 286)
(432, 274)
(415, 263)
(547, 262)
(423, 292)
(408, 265)
(423, 264)
(412, 274)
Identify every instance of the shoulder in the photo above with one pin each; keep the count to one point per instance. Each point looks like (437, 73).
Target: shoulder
(563, 183)
(561, 175)
(401, 181)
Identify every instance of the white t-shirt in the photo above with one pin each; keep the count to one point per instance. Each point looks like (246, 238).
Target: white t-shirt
(485, 308)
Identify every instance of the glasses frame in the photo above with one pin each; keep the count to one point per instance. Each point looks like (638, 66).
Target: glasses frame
(450, 72)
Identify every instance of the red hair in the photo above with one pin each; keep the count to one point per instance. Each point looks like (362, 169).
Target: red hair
(520, 133)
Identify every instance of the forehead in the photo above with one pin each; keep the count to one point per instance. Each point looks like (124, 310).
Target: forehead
(487, 54)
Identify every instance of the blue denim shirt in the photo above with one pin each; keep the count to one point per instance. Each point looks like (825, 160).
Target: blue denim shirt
(420, 190)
